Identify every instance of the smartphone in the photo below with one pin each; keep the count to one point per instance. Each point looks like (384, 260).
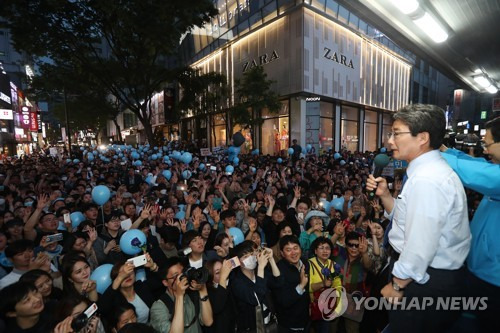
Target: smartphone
(300, 216)
(138, 261)
(217, 203)
(126, 224)
(182, 187)
(54, 238)
(67, 218)
(213, 168)
(235, 262)
(390, 186)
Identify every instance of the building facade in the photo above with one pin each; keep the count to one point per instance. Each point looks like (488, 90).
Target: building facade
(337, 85)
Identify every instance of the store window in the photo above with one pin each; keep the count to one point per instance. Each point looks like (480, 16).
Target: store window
(370, 131)
(247, 134)
(326, 126)
(386, 128)
(350, 128)
(219, 132)
(275, 131)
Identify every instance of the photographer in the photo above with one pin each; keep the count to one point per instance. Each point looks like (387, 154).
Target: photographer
(175, 312)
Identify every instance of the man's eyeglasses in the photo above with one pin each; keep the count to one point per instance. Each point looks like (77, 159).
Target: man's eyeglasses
(395, 134)
(353, 245)
(484, 145)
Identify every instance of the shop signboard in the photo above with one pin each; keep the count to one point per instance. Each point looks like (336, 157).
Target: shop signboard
(25, 117)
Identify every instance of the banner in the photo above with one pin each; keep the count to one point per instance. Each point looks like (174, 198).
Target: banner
(25, 117)
(6, 114)
(205, 152)
(33, 121)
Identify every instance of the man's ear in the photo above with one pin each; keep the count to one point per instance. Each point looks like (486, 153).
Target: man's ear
(165, 283)
(424, 137)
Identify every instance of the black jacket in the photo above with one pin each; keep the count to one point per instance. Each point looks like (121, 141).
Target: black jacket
(149, 291)
(223, 311)
(244, 290)
(292, 308)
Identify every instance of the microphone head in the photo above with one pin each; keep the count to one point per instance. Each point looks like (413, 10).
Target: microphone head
(381, 161)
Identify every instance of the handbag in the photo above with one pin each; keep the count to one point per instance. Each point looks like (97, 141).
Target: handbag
(351, 312)
(260, 327)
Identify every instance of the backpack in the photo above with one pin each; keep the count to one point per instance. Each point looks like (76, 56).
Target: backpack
(169, 303)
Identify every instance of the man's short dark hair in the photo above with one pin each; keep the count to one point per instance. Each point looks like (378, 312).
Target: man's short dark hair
(170, 234)
(18, 246)
(288, 239)
(13, 294)
(494, 126)
(188, 237)
(243, 248)
(351, 236)
(171, 262)
(227, 214)
(422, 118)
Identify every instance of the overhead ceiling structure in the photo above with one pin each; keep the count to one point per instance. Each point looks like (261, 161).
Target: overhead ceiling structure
(459, 37)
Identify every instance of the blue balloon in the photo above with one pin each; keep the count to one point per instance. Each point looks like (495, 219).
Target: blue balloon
(165, 148)
(337, 203)
(115, 157)
(82, 148)
(132, 241)
(61, 226)
(100, 194)
(120, 155)
(149, 179)
(155, 148)
(236, 160)
(169, 162)
(337, 156)
(186, 158)
(308, 147)
(280, 160)
(253, 170)
(231, 150)
(180, 215)
(326, 205)
(201, 166)
(304, 151)
(68, 160)
(167, 174)
(186, 174)
(229, 169)
(342, 162)
(290, 151)
(140, 275)
(237, 235)
(102, 277)
(154, 157)
(177, 155)
(76, 161)
(138, 163)
(181, 207)
(76, 219)
(90, 156)
(383, 150)
(255, 152)
(166, 158)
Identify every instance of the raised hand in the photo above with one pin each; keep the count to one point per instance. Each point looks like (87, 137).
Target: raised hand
(43, 200)
(296, 192)
(339, 228)
(183, 223)
(363, 245)
(252, 224)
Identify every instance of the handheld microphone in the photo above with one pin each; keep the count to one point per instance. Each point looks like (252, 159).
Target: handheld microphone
(380, 161)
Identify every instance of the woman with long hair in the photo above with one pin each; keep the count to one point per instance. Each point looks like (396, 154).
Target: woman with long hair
(75, 270)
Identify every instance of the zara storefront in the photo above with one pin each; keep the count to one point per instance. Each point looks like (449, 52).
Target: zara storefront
(337, 86)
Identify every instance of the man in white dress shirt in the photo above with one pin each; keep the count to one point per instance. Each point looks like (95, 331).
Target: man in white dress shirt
(430, 236)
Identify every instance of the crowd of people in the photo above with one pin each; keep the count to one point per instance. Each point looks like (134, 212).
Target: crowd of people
(245, 250)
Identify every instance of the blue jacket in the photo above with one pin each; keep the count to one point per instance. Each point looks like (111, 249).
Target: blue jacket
(483, 177)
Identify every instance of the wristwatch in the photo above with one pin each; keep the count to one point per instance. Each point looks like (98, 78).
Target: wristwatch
(204, 299)
(397, 287)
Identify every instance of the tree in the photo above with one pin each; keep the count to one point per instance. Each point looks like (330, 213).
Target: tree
(253, 94)
(124, 45)
(203, 94)
(89, 104)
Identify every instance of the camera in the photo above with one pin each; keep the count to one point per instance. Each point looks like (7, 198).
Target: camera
(199, 275)
(81, 321)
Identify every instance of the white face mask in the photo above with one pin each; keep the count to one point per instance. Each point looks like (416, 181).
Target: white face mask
(250, 262)
(163, 192)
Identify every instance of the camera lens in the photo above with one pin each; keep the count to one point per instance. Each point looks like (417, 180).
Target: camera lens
(79, 322)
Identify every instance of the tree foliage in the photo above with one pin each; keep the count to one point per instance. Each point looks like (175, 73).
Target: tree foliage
(125, 45)
(253, 94)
